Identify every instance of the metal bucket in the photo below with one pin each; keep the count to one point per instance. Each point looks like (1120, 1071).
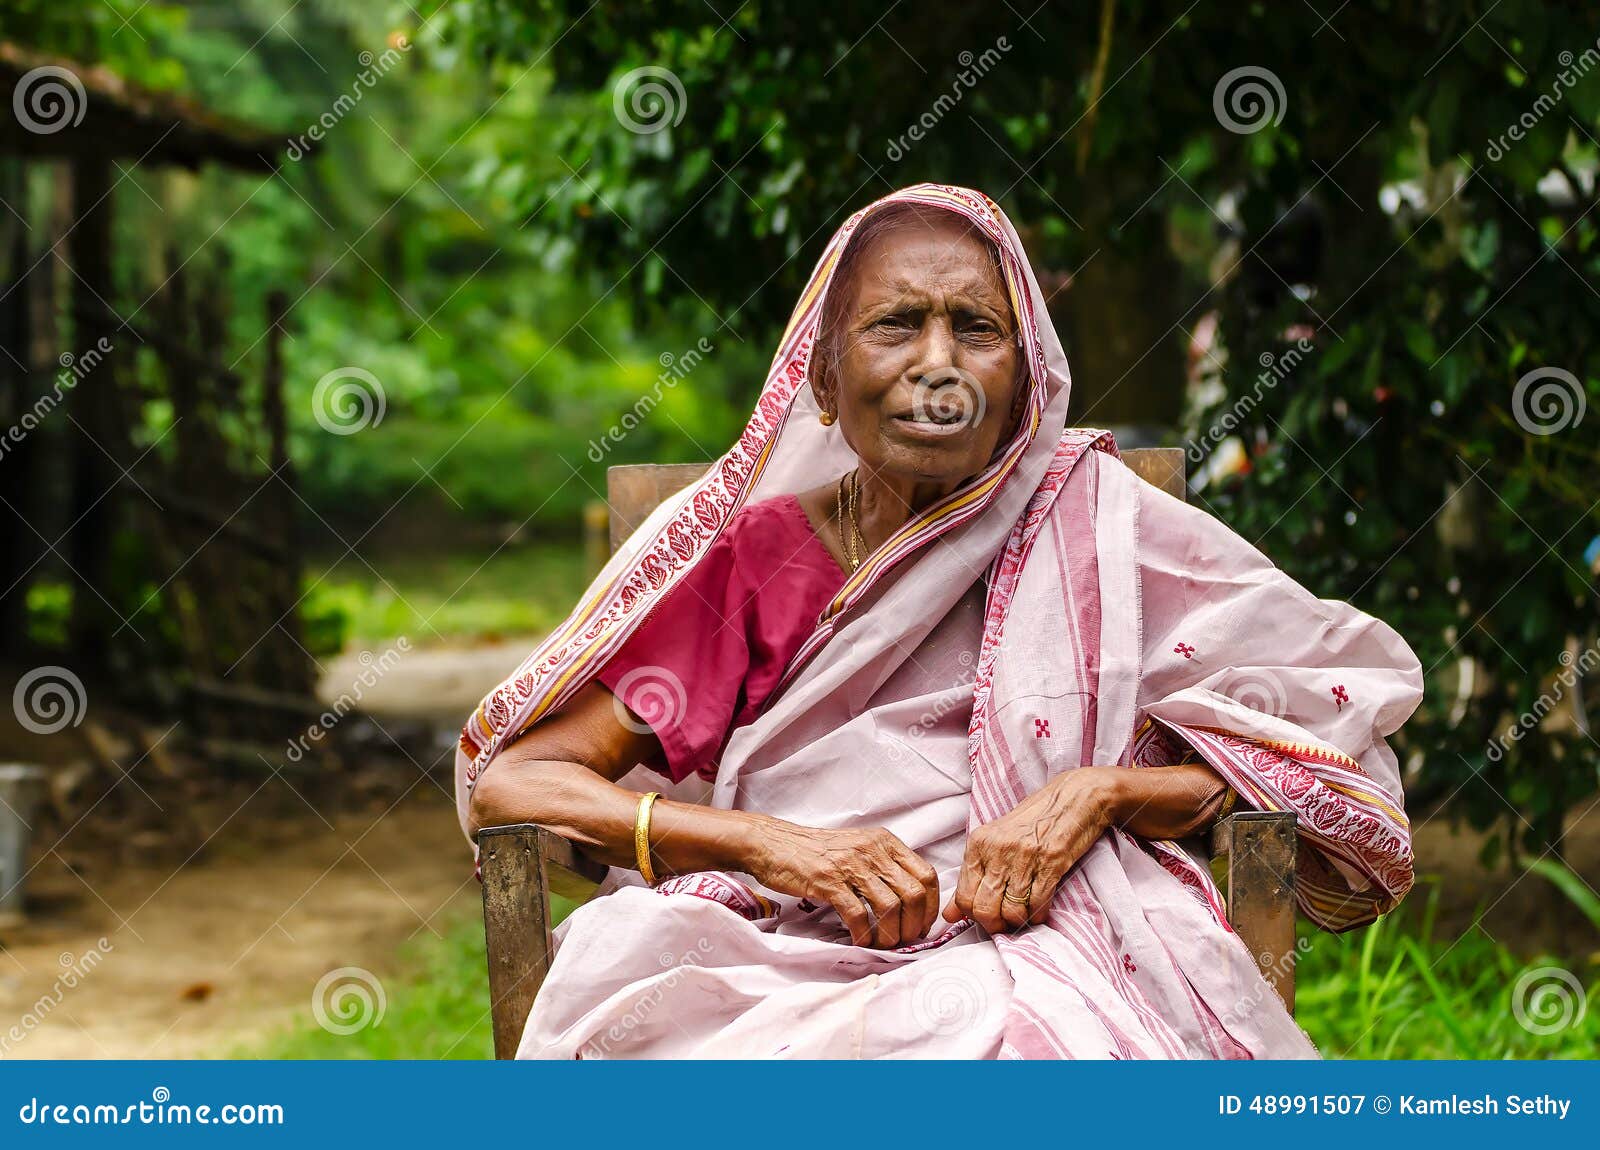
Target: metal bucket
(21, 788)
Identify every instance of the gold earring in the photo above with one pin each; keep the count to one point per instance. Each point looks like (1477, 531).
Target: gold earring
(826, 419)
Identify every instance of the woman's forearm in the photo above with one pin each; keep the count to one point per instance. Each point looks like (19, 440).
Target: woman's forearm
(1167, 802)
(599, 816)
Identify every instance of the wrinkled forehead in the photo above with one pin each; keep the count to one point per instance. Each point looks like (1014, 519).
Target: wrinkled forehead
(942, 248)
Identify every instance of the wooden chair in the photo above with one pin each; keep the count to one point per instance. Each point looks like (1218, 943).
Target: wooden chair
(522, 865)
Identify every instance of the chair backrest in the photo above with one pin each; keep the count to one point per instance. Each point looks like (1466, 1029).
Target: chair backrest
(634, 490)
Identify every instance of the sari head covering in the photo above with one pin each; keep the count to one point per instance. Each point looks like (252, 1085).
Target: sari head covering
(1052, 612)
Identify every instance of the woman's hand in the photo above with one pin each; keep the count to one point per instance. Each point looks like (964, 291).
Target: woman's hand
(883, 890)
(1014, 864)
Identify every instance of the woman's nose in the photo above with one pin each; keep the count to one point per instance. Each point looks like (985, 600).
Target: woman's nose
(936, 349)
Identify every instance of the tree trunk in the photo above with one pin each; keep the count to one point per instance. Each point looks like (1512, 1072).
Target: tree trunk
(1124, 324)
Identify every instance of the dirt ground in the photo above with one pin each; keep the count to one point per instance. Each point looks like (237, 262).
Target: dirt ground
(204, 957)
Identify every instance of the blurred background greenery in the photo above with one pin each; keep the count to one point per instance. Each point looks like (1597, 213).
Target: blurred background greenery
(1322, 251)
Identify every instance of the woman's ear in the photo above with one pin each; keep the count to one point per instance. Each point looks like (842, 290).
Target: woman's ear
(822, 387)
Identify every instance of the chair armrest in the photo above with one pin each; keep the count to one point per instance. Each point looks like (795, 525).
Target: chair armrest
(1259, 847)
(571, 873)
(520, 866)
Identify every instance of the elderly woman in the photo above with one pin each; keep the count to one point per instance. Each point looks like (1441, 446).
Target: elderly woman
(962, 686)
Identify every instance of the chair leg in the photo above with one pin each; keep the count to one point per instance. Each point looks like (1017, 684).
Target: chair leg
(1260, 849)
(516, 927)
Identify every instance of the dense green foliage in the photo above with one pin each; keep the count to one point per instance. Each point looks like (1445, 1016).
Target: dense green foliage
(403, 257)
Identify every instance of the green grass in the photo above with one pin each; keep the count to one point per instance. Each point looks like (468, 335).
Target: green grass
(435, 1006)
(447, 594)
(1391, 990)
(1395, 990)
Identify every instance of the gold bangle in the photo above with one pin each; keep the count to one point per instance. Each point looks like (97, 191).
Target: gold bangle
(641, 836)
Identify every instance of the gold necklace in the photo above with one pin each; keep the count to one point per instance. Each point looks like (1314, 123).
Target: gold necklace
(849, 528)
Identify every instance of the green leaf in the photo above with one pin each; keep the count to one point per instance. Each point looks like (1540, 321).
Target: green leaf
(1568, 883)
(1443, 118)
(1419, 341)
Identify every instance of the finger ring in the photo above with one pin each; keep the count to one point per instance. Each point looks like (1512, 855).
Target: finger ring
(1009, 897)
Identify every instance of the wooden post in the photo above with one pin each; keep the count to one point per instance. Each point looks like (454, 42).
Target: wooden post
(1260, 849)
(635, 490)
(516, 927)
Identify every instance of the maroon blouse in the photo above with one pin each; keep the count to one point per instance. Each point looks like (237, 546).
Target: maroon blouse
(708, 659)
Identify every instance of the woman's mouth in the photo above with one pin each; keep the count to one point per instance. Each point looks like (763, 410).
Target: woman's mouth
(931, 425)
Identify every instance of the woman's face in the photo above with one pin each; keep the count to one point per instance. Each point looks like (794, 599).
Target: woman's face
(927, 380)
